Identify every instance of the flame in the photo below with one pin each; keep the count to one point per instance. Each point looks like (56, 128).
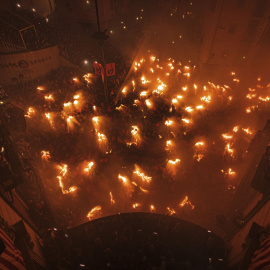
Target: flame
(236, 80)
(68, 104)
(231, 172)
(171, 211)
(174, 101)
(195, 86)
(111, 198)
(124, 90)
(168, 143)
(93, 212)
(199, 144)
(173, 162)
(232, 73)
(143, 94)
(101, 137)
(200, 107)
(31, 111)
(70, 122)
(264, 99)
(179, 97)
(235, 129)
(250, 96)
(76, 96)
(228, 149)
(248, 110)
(206, 99)
(188, 109)
(142, 175)
(71, 189)
(49, 97)
(152, 58)
(144, 81)
(75, 79)
(227, 137)
(88, 77)
(124, 179)
(95, 120)
(247, 130)
(49, 117)
(136, 205)
(186, 201)
(187, 121)
(41, 88)
(45, 155)
(152, 208)
(184, 88)
(168, 122)
(63, 169)
(89, 166)
(186, 74)
(148, 103)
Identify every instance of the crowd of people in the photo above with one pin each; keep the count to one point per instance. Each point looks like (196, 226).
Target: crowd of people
(136, 241)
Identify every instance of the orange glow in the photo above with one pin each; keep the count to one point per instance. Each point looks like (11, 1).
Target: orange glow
(45, 155)
(152, 208)
(200, 107)
(93, 212)
(49, 97)
(235, 129)
(142, 175)
(41, 88)
(136, 205)
(186, 201)
(88, 77)
(247, 130)
(184, 88)
(31, 111)
(168, 122)
(143, 94)
(123, 179)
(188, 109)
(187, 121)
(148, 103)
(152, 58)
(171, 211)
(264, 99)
(206, 99)
(199, 144)
(173, 162)
(227, 137)
(89, 166)
(63, 169)
(111, 198)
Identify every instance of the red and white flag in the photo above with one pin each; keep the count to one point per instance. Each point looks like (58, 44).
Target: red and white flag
(110, 69)
(261, 257)
(99, 70)
(11, 258)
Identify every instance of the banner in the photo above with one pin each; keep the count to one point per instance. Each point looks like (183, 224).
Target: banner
(110, 69)
(98, 68)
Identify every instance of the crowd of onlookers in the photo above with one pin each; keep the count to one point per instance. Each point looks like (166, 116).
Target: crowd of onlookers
(135, 241)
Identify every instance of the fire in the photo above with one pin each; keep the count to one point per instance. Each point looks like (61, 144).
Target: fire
(143, 190)
(70, 122)
(31, 111)
(148, 103)
(41, 88)
(232, 73)
(143, 94)
(187, 121)
(200, 107)
(227, 137)
(152, 208)
(168, 122)
(111, 198)
(63, 169)
(68, 104)
(235, 129)
(151, 69)
(89, 166)
(144, 81)
(186, 201)
(93, 212)
(236, 80)
(195, 86)
(45, 155)
(206, 99)
(171, 211)
(76, 96)
(136, 205)
(250, 96)
(88, 77)
(49, 117)
(186, 74)
(184, 88)
(101, 137)
(71, 189)
(152, 58)
(124, 90)
(188, 109)
(228, 149)
(144, 177)
(168, 143)
(173, 162)
(124, 179)
(247, 130)
(174, 100)
(248, 110)
(49, 97)
(264, 99)
(199, 144)
(231, 172)
(75, 79)
(179, 97)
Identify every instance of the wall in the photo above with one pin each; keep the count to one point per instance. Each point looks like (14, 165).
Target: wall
(23, 67)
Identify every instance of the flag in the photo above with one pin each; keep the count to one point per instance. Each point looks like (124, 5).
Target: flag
(11, 258)
(98, 68)
(261, 257)
(110, 69)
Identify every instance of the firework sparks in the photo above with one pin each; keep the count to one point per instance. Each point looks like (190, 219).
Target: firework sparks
(93, 212)
(142, 175)
(89, 167)
(30, 113)
(111, 198)
(171, 211)
(186, 201)
(45, 155)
